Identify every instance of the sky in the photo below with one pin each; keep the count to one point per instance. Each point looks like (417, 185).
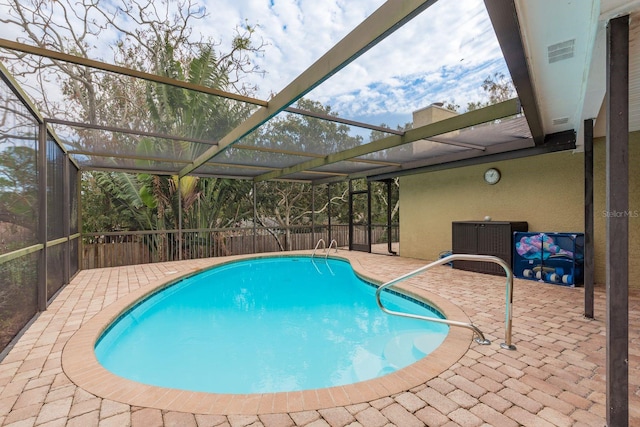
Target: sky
(442, 55)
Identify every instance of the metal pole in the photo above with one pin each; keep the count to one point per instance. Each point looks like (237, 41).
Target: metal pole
(589, 267)
(313, 213)
(369, 215)
(617, 254)
(350, 216)
(66, 212)
(389, 223)
(329, 211)
(180, 219)
(255, 215)
(78, 179)
(42, 219)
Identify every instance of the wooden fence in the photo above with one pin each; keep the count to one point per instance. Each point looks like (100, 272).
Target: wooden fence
(140, 247)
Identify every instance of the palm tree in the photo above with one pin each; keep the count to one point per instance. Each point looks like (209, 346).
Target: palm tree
(152, 200)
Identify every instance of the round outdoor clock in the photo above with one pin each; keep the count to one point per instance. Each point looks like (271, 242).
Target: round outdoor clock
(492, 176)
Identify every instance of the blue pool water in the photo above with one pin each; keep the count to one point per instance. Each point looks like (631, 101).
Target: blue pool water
(266, 325)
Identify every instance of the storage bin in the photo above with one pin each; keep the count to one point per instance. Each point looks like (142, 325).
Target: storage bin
(484, 238)
(556, 258)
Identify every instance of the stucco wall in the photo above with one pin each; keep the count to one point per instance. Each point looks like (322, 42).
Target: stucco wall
(600, 209)
(547, 191)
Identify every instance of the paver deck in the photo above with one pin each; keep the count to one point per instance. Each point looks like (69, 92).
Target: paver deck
(555, 377)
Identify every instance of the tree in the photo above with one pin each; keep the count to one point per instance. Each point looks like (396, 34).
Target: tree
(18, 193)
(221, 203)
(140, 28)
(197, 116)
(154, 37)
(18, 176)
(451, 105)
(113, 201)
(497, 87)
(285, 203)
(193, 115)
(306, 134)
(156, 200)
(376, 134)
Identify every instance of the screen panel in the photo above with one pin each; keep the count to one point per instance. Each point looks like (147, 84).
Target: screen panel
(18, 173)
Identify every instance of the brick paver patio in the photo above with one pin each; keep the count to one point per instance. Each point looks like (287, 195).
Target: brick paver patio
(555, 377)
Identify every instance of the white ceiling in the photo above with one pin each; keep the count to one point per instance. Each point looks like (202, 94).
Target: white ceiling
(571, 90)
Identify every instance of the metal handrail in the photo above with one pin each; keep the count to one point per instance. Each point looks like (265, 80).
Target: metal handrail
(329, 249)
(460, 257)
(324, 245)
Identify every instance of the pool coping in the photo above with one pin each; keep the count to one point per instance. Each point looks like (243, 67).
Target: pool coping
(82, 367)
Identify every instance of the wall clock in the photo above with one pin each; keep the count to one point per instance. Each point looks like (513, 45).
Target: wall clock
(492, 176)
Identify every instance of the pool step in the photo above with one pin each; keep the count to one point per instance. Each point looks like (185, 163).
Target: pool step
(396, 353)
(426, 344)
(405, 349)
(367, 365)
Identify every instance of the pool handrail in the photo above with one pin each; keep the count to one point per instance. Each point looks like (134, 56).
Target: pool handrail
(326, 255)
(460, 257)
(324, 246)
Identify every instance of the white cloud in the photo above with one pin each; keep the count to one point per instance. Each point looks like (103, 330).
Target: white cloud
(427, 60)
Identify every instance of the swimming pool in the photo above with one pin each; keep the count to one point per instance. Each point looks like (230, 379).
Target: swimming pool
(266, 325)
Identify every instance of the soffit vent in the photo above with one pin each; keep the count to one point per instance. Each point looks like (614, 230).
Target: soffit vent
(561, 51)
(560, 121)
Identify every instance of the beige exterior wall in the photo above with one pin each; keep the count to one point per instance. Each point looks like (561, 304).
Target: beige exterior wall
(547, 191)
(600, 209)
